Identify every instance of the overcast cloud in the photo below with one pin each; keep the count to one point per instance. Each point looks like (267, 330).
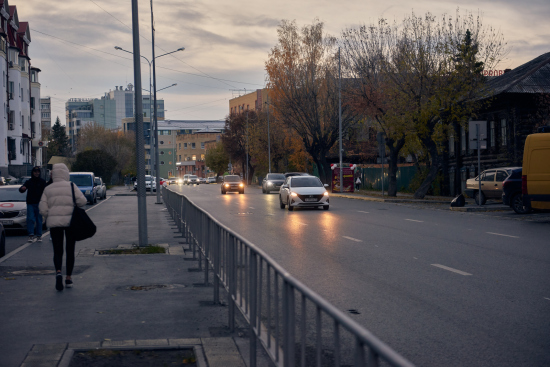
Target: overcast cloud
(227, 40)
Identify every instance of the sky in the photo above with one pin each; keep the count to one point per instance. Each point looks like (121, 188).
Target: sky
(226, 42)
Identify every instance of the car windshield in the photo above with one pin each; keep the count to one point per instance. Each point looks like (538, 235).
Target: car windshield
(231, 179)
(275, 177)
(193, 177)
(97, 181)
(306, 182)
(148, 179)
(82, 180)
(12, 194)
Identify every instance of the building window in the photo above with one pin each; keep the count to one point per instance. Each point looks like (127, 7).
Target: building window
(202, 157)
(184, 145)
(503, 132)
(194, 158)
(161, 152)
(179, 159)
(162, 163)
(193, 146)
(492, 142)
(179, 146)
(202, 144)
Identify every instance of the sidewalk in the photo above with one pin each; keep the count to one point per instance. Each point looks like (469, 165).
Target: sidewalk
(444, 201)
(123, 301)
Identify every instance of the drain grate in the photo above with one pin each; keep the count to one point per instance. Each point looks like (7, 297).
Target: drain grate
(354, 311)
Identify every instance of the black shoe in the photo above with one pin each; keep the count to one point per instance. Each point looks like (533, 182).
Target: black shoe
(59, 282)
(68, 283)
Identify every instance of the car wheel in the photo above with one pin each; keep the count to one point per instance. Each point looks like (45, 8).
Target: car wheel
(281, 205)
(325, 207)
(263, 190)
(95, 199)
(517, 204)
(290, 207)
(2, 245)
(267, 192)
(483, 199)
(241, 192)
(223, 192)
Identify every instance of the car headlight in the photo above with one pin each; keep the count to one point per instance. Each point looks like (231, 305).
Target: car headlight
(180, 181)
(226, 185)
(293, 194)
(270, 183)
(326, 193)
(22, 213)
(241, 185)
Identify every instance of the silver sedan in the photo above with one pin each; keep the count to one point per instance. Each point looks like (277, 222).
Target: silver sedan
(303, 191)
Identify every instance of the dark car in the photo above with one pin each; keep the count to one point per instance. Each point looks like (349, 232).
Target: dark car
(232, 183)
(272, 182)
(511, 192)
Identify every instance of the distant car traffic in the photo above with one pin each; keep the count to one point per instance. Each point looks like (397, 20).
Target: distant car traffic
(174, 181)
(186, 179)
(13, 207)
(211, 179)
(202, 180)
(290, 174)
(101, 188)
(272, 182)
(150, 183)
(491, 184)
(232, 183)
(303, 191)
(192, 180)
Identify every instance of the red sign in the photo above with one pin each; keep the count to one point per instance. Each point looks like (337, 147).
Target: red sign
(493, 72)
(6, 205)
(347, 177)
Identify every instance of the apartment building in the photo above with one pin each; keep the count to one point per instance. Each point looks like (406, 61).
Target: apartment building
(191, 151)
(20, 127)
(46, 112)
(250, 101)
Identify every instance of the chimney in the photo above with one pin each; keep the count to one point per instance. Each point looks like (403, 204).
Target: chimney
(116, 87)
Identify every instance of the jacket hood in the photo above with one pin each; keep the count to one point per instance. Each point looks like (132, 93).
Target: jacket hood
(60, 172)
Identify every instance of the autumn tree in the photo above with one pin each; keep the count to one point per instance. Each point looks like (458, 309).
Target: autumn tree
(236, 139)
(101, 163)
(303, 81)
(58, 143)
(217, 159)
(119, 145)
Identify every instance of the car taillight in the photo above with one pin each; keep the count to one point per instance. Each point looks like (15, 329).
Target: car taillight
(505, 183)
(524, 185)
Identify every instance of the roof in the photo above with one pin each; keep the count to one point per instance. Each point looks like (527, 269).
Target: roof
(531, 77)
(191, 125)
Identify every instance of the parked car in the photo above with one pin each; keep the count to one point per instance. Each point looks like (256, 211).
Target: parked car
(85, 182)
(272, 182)
(232, 183)
(193, 180)
(150, 184)
(536, 170)
(301, 191)
(2, 240)
(202, 180)
(13, 207)
(211, 179)
(491, 184)
(101, 188)
(511, 191)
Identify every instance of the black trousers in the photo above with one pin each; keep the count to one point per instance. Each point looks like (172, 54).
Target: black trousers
(57, 239)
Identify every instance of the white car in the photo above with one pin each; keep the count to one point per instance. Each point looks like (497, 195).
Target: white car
(13, 207)
(150, 183)
(303, 191)
(193, 180)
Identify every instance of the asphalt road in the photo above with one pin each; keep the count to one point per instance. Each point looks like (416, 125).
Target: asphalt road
(442, 288)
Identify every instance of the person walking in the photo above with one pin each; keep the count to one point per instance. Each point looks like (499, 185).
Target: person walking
(57, 207)
(357, 183)
(34, 188)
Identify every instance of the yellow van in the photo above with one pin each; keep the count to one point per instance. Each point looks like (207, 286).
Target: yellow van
(535, 180)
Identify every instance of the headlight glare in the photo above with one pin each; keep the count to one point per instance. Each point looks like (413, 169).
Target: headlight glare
(226, 185)
(241, 185)
(22, 213)
(326, 193)
(293, 194)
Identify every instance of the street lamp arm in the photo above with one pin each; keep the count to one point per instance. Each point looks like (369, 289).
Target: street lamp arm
(168, 53)
(121, 49)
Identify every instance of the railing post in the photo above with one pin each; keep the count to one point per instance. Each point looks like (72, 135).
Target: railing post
(205, 234)
(288, 325)
(253, 294)
(217, 260)
(232, 278)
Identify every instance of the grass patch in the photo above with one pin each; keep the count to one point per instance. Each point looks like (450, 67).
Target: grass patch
(152, 249)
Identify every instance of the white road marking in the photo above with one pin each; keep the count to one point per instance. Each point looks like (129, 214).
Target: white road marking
(351, 238)
(415, 258)
(251, 207)
(547, 298)
(303, 224)
(360, 211)
(451, 269)
(414, 220)
(504, 235)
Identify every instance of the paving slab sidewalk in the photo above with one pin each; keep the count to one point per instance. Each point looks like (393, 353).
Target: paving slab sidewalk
(116, 301)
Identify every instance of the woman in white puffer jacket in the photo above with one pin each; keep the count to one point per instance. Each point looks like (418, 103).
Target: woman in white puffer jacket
(57, 206)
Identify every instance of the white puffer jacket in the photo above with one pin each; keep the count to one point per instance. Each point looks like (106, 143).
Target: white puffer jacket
(56, 204)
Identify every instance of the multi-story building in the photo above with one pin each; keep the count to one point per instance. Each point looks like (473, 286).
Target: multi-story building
(191, 151)
(20, 132)
(250, 101)
(46, 112)
(168, 132)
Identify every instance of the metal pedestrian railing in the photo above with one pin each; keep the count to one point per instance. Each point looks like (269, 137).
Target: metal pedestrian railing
(295, 326)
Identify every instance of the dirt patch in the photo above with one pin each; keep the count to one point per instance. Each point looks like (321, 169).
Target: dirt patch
(134, 358)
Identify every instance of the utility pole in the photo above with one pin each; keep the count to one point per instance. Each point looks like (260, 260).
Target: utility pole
(140, 152)
(268, 138)
(247, 147)
(155, 128)
(340, 118)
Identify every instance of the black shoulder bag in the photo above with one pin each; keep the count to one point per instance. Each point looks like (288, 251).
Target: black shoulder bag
(81, 225)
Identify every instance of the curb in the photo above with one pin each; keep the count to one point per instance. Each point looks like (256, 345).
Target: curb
(370, 198)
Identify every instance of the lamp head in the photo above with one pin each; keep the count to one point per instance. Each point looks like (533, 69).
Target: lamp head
(118, 48)
(181, 49)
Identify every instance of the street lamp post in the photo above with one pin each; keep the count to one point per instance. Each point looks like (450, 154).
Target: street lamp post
(154, 121)
(268, 139)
